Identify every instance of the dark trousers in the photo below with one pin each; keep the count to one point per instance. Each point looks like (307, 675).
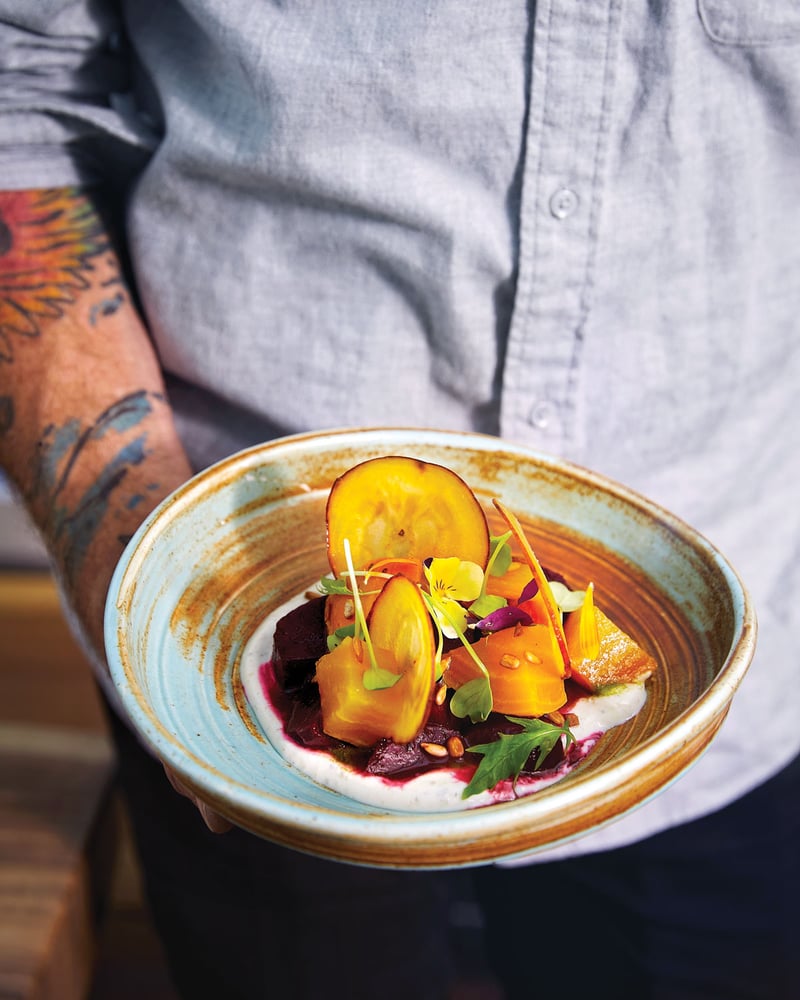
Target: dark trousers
(243, 919)
(709, 910)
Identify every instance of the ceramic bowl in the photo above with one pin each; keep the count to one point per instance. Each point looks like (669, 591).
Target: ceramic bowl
(233, 543)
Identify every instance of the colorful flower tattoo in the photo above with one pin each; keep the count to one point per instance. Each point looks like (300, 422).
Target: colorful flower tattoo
(49, 244)
(47, 241)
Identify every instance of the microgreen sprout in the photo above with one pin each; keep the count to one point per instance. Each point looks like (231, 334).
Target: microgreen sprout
(333, 585)
(500, 559)
(475, 697)
(338, 634)
(341, 584)
(375, 677)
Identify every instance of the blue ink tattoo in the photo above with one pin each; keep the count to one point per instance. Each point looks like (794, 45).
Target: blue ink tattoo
(75, 526)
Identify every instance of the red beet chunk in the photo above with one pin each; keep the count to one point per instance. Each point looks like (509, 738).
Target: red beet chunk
(299, 642)
(304, 726)
(392, 760)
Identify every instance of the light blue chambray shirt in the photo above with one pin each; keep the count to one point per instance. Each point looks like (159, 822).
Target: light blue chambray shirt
(575, 224)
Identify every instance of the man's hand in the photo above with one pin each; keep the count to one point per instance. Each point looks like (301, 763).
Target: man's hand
(213, 820)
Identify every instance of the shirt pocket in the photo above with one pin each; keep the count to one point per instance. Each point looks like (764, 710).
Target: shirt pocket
(751, 22)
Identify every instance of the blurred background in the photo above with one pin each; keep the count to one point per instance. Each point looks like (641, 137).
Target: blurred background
(73, 923)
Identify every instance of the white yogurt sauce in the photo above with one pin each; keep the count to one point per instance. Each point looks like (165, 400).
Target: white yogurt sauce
(437, 790)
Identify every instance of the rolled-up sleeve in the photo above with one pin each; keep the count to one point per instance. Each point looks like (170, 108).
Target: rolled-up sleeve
(65, 93)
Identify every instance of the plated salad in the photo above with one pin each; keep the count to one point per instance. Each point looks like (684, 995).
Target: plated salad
(439, 665)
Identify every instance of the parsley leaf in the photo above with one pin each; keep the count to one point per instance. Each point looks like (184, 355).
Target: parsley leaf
(506, 756)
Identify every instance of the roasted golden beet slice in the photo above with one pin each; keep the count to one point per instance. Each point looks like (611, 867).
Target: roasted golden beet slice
(620, 660)
(402, 508)
(525, 670)
(402, 636)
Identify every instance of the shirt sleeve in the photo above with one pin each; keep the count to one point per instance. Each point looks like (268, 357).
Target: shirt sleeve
(66, 103)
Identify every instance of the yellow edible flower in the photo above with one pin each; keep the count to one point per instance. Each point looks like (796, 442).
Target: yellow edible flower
(451, 581)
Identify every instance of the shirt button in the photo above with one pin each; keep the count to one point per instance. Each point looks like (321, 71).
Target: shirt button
(542, 414)
(563, 203)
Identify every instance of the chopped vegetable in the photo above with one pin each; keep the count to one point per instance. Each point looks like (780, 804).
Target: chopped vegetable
(402, 637)
(620, 660)
(415, 572)
(524, 665)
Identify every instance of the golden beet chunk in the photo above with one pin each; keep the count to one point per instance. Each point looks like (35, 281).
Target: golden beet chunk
(402, 636)
(525, 670)
(621, 660)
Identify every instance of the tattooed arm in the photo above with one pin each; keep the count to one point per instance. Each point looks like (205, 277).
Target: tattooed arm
(86, 434)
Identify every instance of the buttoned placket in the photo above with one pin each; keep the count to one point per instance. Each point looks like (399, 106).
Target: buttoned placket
(569, 106)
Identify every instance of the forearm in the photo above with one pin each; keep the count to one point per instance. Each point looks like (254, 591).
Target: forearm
(86, 433)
